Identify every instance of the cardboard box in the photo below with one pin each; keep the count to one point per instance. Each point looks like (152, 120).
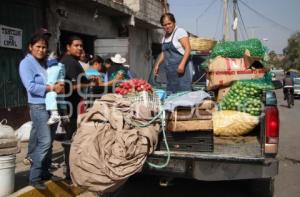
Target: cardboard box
(224, 71)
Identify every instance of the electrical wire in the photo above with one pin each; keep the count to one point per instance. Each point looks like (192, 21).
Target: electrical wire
(220, 16)
(202, 14)
(242, 33)
(239, 11)
(266, 18)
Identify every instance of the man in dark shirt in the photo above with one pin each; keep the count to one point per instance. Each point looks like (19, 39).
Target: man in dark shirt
(288, 82)
(75, 83)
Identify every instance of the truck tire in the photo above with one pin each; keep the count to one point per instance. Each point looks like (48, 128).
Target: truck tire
(262, 187)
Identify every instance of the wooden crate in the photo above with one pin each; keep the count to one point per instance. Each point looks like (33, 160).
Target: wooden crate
(189, 125)
(201, 112)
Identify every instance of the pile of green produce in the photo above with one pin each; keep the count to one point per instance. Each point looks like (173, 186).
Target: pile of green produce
(246, 95)
(237, 49)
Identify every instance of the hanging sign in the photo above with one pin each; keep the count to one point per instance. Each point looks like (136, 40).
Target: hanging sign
(10, 37)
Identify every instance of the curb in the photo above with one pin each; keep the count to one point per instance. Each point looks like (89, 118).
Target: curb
(54, 189)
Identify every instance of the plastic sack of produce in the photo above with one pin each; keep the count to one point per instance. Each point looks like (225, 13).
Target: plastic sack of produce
(246, 95)
(238, 49)
(233, 123)
(224, 71)
(6, 131)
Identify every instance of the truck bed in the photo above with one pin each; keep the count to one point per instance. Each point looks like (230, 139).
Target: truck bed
(228, 148)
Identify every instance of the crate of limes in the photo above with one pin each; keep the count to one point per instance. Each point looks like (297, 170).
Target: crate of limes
(245, 96)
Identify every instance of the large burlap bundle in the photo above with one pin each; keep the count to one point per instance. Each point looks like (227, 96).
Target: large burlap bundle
(233, 123)
(107, 149)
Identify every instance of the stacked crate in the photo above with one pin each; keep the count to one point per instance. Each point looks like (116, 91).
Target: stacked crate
(190, 128)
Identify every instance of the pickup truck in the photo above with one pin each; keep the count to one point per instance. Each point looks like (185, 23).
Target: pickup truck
(251, 157)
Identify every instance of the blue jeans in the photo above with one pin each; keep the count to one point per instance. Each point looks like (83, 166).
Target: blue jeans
(41, 154)
(32, 141)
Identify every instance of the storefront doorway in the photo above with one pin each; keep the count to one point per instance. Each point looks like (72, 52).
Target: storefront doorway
(88, 42)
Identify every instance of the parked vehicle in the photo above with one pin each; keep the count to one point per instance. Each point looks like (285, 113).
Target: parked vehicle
(297, 86)
(251, 157)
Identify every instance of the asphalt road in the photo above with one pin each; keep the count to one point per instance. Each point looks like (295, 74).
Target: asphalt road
(287, 183)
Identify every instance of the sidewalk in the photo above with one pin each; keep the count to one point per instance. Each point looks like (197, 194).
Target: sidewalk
(61, 188)
(22, 171)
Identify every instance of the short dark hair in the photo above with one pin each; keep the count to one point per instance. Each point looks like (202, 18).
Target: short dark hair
(167, 15)
(95, 59)
(108, 61)
(72, 38)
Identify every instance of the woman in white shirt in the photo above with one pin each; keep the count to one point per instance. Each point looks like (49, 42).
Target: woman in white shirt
(174, 56)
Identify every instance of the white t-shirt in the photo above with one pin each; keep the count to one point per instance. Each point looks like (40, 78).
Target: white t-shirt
(179, 33)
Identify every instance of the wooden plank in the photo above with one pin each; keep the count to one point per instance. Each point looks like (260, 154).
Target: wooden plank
(189, 125)
(207, 104)
(190, 114)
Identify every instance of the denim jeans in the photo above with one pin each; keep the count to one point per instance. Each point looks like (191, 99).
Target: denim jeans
(41, 154)
(32, 142)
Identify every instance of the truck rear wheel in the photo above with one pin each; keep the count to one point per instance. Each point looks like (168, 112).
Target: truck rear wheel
(262, 187)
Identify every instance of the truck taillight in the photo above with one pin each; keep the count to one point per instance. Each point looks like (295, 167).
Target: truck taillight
(272, 125)
(271, 129)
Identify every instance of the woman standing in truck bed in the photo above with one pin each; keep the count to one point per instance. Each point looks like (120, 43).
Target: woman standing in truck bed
(174, 56)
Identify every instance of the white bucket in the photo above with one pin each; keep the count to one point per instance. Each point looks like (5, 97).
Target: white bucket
(7, 174)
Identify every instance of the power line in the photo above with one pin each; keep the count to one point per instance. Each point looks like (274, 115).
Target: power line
(266, 18)
(247, 36)
(220, 16)
(202, 14)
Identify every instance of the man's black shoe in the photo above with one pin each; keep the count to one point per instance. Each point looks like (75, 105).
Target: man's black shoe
(38, 185)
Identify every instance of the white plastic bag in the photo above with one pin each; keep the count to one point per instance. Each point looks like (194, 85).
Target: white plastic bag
(60, 129)
(23, 133)
(6, 132)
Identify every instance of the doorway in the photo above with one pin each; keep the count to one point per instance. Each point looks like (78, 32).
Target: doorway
(88, 42)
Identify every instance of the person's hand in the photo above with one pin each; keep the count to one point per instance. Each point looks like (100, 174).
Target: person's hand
(94, 80)
(156, 69)
(59, 87)
(180, 69)
(119, 76)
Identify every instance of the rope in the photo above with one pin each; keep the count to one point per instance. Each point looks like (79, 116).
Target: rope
(166, 144)
(161, 115)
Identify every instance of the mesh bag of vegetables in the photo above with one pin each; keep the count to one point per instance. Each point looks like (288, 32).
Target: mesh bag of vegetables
(233, 123)
(238, 49)
(246, 95)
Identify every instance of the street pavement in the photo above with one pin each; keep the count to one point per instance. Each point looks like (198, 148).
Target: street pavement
(22, 171)
(287, 183)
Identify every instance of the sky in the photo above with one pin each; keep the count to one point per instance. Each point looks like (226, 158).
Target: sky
(272, 21)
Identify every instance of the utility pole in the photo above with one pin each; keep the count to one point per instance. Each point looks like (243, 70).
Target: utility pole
(235, 21)
(226, 27)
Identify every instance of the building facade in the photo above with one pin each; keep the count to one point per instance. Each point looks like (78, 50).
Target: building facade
(129, 27)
